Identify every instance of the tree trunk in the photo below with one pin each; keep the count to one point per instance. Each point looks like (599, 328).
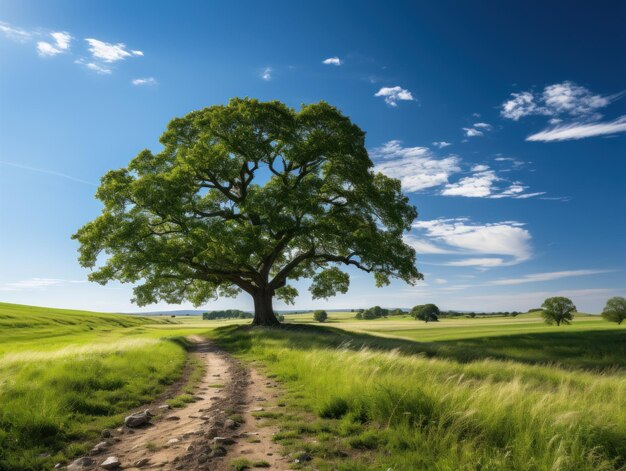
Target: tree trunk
(263, 311)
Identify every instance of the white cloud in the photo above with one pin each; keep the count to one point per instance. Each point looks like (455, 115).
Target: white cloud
(486, 126)
(423, 246)
(471, 132)
(332, 61)
(479, 185)
(148, 81)
(483, 184)
(477, 129)
(394, 94)
(569, 98)
(522, 104)
(266, 74)
(477, 262)
(35, 283)
(506, 243)
(61, 44)
(108, 52)
(16, 34)
(98, 68)
(566, 98)
(579, 130)
(62, 39)
(549, 276)
(441, 144)
(416, 167)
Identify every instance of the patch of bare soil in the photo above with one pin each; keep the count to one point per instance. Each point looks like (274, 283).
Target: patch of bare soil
(208, 434)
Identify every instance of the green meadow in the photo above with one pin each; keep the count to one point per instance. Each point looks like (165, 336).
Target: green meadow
(534, 398)
(465, 394)
(66, 375)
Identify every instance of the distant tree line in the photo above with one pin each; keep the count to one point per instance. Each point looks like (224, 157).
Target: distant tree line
(227, 314)
(555, 310)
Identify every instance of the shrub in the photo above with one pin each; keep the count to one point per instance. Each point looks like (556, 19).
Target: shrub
(320, 315)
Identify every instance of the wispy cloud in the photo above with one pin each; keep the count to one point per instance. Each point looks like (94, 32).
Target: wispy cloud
(478, 185)
(477, 129)
(332, 61)
(425, 247)
(108, 52)
(35, 283)
(47, 172)
(575, 131)
(61, 43)
(416, 167)
(441, 144)
(485, 183)
(94, 67)
(486, 245)
(15, 33)
(549, 276)
(266, 74)
(395, 94)
(564, 101)
(52, 43)
(146, 82)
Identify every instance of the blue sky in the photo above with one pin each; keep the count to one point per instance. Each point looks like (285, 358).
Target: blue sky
(506, 123)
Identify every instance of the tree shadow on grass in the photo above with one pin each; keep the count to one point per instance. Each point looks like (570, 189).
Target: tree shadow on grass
(599, 350)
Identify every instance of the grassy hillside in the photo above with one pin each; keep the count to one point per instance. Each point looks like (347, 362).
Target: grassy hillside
(488, 393)
(65, 375)
(525, 400)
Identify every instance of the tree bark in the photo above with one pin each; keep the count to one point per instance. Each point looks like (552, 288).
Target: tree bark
(263, 311)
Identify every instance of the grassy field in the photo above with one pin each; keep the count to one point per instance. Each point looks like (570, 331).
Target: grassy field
(66, 375)
(526, 397)
(485, 393)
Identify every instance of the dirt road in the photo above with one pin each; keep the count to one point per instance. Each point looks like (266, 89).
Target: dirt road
(207, 434)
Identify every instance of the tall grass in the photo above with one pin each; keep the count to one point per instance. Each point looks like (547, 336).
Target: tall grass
(45, 406)
(66, 375)
(415, 412)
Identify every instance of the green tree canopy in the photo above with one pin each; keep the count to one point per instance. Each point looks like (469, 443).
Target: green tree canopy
(320, 315)
(426, 312)
(615, 309)
(248, 197)
(558, 310)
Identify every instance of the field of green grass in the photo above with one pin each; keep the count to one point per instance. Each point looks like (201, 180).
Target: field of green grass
(66, 375)
(484, 393)
(488, 394)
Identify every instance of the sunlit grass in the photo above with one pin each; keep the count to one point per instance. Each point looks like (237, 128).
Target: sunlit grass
(414, 406)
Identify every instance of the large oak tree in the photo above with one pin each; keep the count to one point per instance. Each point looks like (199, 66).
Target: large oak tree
(249, 196)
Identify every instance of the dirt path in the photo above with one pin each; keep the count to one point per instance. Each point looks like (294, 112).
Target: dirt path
(207, 434)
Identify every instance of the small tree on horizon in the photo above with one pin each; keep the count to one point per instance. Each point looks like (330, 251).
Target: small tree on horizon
(426, 312)
(558, 310)
(615, 310)
(250, 197)
(320, 315)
